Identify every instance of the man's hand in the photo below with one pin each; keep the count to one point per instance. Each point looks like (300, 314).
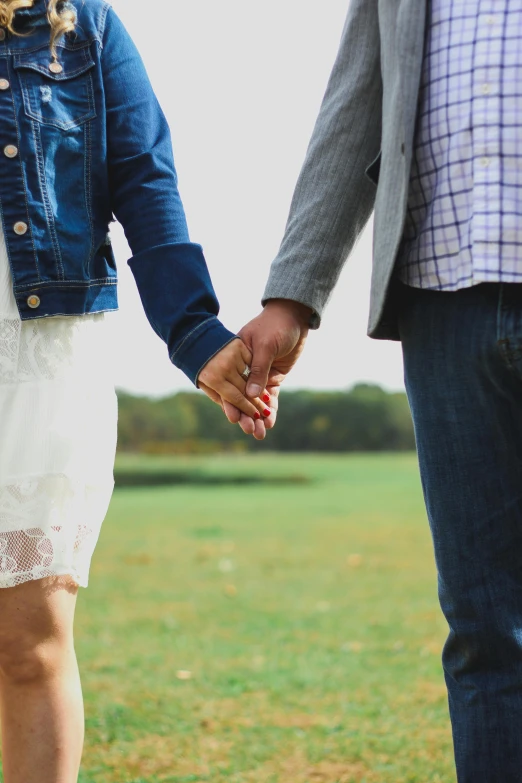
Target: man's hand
(276, 339)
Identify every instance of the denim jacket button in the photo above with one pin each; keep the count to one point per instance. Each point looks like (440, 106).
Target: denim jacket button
(20, 228)
(10, 151)
(33, 300)
(55, 67)
(4, 84)
(2, 34)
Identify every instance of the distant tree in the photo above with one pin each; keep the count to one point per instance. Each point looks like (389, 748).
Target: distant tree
(365, 418)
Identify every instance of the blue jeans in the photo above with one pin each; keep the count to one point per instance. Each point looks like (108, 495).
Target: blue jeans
(463, 372)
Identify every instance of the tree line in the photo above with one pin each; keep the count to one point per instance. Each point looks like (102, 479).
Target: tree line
(364, 418)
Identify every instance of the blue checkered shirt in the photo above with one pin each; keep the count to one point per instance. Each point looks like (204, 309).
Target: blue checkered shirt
(464, 216)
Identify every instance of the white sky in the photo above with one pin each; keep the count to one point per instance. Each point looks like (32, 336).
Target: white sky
(241, 84)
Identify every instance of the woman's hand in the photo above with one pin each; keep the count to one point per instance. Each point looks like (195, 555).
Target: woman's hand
(256, 428)
(221, 380)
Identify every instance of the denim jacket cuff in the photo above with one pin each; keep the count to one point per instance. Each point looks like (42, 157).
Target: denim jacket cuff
(179, 301)
(199, 346)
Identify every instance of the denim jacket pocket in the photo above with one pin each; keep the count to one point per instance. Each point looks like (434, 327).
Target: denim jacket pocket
(58, 94)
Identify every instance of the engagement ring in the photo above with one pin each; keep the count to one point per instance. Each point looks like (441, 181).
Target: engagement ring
(246, 372)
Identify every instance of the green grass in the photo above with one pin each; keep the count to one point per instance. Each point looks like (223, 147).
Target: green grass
(307, 616)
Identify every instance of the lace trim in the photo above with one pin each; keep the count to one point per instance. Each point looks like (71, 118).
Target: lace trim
(47, 348)
(49, 526)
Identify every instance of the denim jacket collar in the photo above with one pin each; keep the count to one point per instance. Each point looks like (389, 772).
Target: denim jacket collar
(36, 15)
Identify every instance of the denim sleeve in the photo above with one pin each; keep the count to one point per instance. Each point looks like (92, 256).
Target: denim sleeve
(170, 271)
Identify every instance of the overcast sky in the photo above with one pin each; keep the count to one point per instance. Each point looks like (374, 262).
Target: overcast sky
(241, 84)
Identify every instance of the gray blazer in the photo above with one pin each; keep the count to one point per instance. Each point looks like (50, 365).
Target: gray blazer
(359, 158)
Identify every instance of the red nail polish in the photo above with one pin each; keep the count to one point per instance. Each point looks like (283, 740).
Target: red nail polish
(267, 411)
(266, 398)
(257, 415)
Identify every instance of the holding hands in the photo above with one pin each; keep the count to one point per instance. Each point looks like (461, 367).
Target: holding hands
(270, 345)
(224, 379)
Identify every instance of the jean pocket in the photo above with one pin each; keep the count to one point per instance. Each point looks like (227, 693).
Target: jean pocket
(57, 93)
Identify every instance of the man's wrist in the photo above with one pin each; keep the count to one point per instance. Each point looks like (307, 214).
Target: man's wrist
(301, 312)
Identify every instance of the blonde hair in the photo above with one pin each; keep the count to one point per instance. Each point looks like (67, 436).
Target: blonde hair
(61, 20)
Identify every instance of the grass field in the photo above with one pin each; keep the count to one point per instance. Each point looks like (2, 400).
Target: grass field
(266, 634)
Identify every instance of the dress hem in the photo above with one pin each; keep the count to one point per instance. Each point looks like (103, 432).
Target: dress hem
(24, 578)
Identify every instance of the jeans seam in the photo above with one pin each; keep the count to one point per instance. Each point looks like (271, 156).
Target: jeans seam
(24, 184)
(65, 284)
(51, 225)
(87, 188)
(507, 354)
(15, 51)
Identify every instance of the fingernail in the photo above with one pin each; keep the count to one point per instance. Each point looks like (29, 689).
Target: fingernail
(267, 411)
(257, 415)
(266, 398)
(254, 390)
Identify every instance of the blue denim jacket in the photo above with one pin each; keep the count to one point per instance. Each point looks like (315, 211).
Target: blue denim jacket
(83, 140)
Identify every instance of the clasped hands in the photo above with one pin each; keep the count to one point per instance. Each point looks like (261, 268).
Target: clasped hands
(270, 345)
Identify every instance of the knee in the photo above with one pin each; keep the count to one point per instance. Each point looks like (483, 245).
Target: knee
(482, 653)
(26, 660)
(36, 629)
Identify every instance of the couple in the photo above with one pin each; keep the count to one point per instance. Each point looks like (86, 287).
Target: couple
(422, 123)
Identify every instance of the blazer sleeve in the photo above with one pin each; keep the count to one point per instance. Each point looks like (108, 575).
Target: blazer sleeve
(334, 198)
(170, 271)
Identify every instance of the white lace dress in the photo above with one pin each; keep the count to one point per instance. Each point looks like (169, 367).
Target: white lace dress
(58, 423)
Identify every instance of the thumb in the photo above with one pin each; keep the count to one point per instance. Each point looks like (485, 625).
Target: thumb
(262, 358)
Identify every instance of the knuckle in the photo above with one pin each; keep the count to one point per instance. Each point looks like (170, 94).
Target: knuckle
(267, 342)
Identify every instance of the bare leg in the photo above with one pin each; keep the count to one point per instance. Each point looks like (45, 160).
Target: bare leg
(41, 705)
